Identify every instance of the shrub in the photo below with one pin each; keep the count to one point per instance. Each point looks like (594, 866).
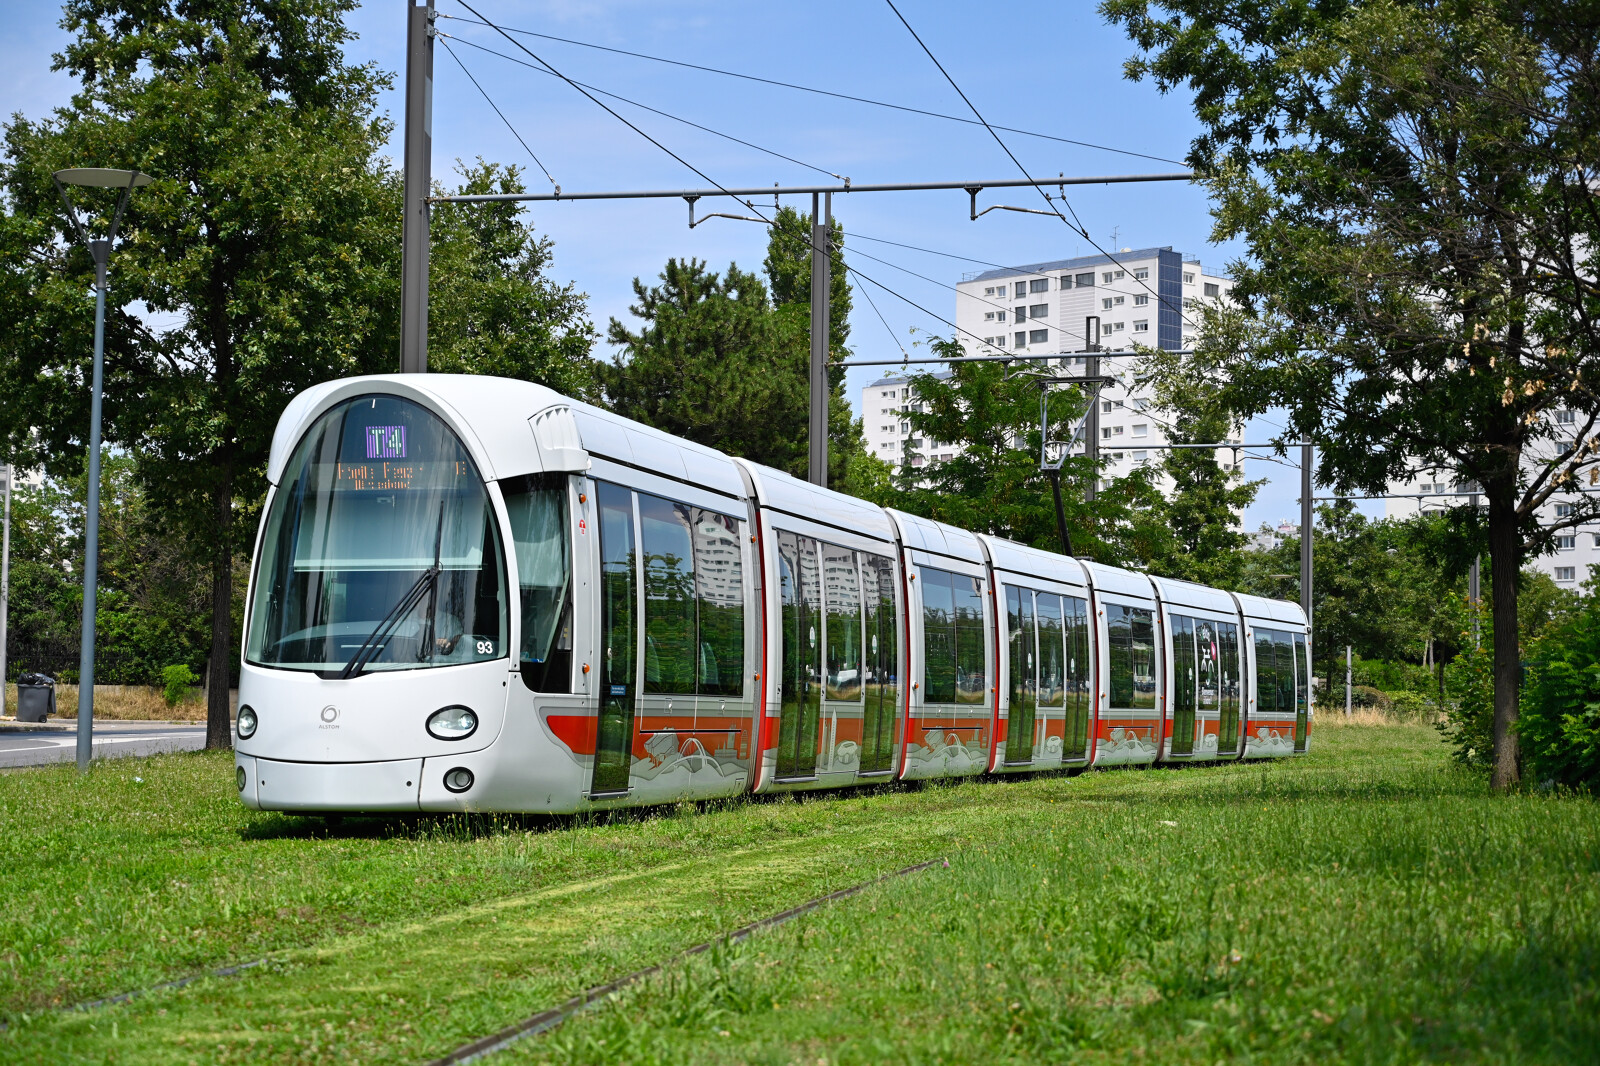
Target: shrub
(176, 682)
(1407, 706)
(1468, 724)
(1559, 723)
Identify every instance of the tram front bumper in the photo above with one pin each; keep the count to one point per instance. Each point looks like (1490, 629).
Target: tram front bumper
(271, 785)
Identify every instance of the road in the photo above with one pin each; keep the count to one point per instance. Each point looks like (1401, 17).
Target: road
(52, 742)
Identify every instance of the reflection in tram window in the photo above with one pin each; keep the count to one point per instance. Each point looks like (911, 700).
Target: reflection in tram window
(1185, 684)
(952, 632)
(841, 591)
(1052, 649)
(1023, 665)
(1229, 678)
(380, 546)
(693, 600)
(800, 591)
(881, 687)
(1302, 667)
(1133, 652)
(618, 638)
(1079, 698)
(537, 507)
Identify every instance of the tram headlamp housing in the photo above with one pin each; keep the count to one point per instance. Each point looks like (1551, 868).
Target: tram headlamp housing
(452, 723)
(247, 722)
(239, 776)
(458, 780)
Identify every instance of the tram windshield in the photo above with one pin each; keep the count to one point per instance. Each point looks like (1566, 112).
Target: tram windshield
(381, 550)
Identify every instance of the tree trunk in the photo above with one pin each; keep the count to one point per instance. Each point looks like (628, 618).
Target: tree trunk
(219, 718)
(1505, 562)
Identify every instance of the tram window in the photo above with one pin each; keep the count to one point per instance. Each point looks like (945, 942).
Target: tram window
(1024, 652)
(1229, 677)
(719, 601)
(1209, 653)
(614, 738)
(1133, 656)
(970, 683)
(881, 674)
(1079, 699)
(1053, 681)
(938, 638)
(669, 630)
(1266, 674)
(380, 505)
(537, 507)
(1283, 646)
(841, 592)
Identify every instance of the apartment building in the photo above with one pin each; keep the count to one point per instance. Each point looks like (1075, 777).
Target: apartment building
(1577, 554)
(1140, 297)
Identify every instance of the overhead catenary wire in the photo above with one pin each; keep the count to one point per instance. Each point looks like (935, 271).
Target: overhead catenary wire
(1049, 203)
(645, 107)
(812, 89)
(490, 101)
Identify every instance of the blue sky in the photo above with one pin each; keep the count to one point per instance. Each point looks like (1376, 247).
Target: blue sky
(1055, 69)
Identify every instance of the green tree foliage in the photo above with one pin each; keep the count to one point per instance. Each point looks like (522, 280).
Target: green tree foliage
(152, 607)
(718, 362)
(492, 308)
(1204, 541)
(1416, 187)
(1560, 721)
(993, 483)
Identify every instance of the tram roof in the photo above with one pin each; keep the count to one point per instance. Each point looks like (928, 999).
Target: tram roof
(1117, 581)
(1261, 609)
(1176, 593)
(937, 537)
(1017, 558)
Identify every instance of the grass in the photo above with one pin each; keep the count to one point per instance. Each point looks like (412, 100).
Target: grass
(1367, 903)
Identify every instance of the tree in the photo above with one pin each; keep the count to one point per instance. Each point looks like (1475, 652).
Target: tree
(993, 482)
(1416, 186)
(1200, 511)
(491, 307)
(719, 362)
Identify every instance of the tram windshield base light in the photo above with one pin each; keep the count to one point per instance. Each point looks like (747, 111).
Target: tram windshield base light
(452, 723)
(247, 724)
(458, 780)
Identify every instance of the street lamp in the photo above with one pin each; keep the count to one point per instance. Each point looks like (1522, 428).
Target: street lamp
(100, 249)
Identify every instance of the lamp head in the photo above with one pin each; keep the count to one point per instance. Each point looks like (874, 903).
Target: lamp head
(102, 178)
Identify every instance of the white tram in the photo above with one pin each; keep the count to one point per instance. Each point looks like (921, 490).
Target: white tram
(475, 594)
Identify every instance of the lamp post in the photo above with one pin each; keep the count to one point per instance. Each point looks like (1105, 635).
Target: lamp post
(100, 249)
(9, 473)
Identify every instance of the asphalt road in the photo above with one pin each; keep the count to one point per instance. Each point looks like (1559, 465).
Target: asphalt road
(36, 746)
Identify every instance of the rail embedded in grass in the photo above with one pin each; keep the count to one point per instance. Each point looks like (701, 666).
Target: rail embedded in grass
(547, 1020)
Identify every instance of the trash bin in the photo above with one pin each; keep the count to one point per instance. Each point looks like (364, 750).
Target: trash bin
(36, 697)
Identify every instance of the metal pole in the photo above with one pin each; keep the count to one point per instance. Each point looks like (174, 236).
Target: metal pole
(5, 581)
(1061, 514)
(1347, 676)
(1091, 424)
(418, 187)
(821, 297)
(1306, 532)
(101, 250)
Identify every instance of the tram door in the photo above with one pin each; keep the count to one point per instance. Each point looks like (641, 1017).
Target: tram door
(800, 707)
(882, 674)
(1024, 690)
(1184, 685)
(1302, 690)
(1079, 680)
(613, 753)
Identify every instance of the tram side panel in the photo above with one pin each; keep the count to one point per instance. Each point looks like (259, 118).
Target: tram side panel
(1201, 638)
(1130, 719)
(1044, 673)
(1280, 708)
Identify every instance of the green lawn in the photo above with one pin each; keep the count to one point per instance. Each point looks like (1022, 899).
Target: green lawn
(1366, 903)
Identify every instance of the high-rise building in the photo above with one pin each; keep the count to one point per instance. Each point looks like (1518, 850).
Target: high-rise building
(1139, 297)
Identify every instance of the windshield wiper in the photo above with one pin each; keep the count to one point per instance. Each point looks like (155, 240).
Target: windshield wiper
(427, 582)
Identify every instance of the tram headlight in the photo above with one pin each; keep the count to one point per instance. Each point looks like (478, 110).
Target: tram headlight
(239, 776)
(452, 723)
(247, 722)
(458, 780)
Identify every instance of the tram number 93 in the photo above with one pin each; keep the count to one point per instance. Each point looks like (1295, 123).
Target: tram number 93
(485, 647)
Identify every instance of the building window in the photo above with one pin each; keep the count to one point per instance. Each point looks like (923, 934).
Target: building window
(1566, 542)
(1143, 273)
(1565, 418)
(1039, 285)
(1141, 456)
(1141, 430)
(1039, 336)
(1019, 340)
(1000, 316)
(1212, 289)
(1142, 326)
(1086, 281)
(905, 427)
(1597, 540)
(1121, 300)
(1020, 314)
(1038, 310)
(988, 316)
(1022, 288)
(1105, 304)
(1000, 341)
(1066, 281)
(1118, 327)
(1106, 277)
(1566, 573)
(1141, 404)
(1188, 277)
(1141, 299)
(1118, 275)
(1105, 405)
(1563, 510)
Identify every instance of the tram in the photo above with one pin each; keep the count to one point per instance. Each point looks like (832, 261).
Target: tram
(472, 593)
